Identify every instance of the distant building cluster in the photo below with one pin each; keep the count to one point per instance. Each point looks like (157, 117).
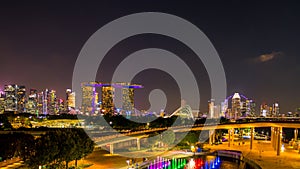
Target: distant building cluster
(14, 99)
(269, 111)
(240, 107)
(91, 104)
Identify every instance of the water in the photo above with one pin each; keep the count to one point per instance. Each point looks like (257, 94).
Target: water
(203, 162)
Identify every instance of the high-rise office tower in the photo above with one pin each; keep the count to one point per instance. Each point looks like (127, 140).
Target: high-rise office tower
(128, 99)
(236, 105)
(70, 99)
(217, 111)
(252, 106)
(32, 102)
(43, 102)
(275, 110)
(2, 102)
(248, 108)
(15, 98)
(61, 105)
(21, 98)
(244, 108)
(264, 110)
(40, 102)
(11, 98)
(211, 108)
(107, 99)
(52, 102)
(88, 104)
(90, 97)
(224, 107)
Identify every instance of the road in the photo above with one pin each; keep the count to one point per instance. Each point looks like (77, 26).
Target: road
(264, 155)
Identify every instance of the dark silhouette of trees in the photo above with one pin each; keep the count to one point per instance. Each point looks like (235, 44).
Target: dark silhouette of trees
(57, 148)
(4, 123)
(16, 144)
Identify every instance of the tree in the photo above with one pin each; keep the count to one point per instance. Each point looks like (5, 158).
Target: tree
(46, 149)
(67, 145)
(61, 146)
(85, 145)
(4, 123)
(8, 145)
(153, 139)
(168, 137)
(191, 138)
(25, 145)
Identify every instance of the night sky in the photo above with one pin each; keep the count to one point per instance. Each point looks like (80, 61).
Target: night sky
(258, 43)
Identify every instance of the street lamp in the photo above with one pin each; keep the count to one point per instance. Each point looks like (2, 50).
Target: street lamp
(127, 161)
(282, 148)
(193, 149)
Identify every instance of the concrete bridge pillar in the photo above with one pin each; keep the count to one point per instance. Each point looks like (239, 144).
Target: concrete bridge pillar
(275, 138)
(272, 137)
(214, 136)
(279, 135)
(230, 136)
(251, 137)
(138, 144)
(296, 134)
(111, 148)
(241, 132)
(211, 137)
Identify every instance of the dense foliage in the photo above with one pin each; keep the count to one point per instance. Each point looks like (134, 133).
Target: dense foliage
(4, 123)
(58, 148)
(16, 144)
(55, 149)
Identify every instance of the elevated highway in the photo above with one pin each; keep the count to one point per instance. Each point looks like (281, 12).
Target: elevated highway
(276, 132)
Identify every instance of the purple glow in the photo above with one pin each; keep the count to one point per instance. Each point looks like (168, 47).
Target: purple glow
(116, 85)
(229, 97)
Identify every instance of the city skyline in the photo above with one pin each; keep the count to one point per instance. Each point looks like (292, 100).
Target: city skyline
(258, 48)
(15, 98)
(149, 84)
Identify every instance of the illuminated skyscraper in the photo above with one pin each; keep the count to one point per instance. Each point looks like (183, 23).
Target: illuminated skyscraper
(40, 102)
(249, 107)
(107, 99)
(2, 102)
(217, 111)
(43, 102)
(224, 107)
(11, 97)
(214, 111)
(265, 110)
(96, 99)
(21, 98)
(32, 102)
(107, 105)
(211, 108)
(11, 102)
(52, 102)
(61, 105)
(70, 99)
(275, 110)
(14, 98)
(128, 99)
(236, 105)
(88, 104)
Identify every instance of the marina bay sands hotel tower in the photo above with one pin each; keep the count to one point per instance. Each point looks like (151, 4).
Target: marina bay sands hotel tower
(90, 99)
